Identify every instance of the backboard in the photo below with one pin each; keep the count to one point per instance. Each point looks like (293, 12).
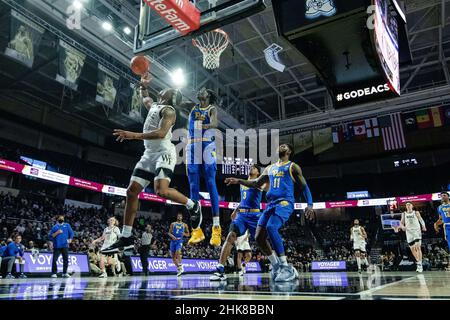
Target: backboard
(153, 31)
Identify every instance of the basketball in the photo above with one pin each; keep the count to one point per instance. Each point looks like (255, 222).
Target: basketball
(139, 65)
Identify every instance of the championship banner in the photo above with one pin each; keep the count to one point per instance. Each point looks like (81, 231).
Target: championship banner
(136, 104)
(70, 65)
(25, 36)
(107, 84)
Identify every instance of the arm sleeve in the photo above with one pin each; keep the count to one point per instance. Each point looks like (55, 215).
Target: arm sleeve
(307, 195)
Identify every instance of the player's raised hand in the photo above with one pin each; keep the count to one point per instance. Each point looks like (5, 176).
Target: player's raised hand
(146, 79)
(230, 181)
(124, 135)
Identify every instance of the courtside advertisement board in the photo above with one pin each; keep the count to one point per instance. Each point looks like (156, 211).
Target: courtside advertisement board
(163, 265)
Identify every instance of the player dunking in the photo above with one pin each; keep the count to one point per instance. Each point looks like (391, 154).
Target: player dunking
(201, 161)
(444, 217)
(281, 177)
(157, 163)
(245, 218)
(412, 223)
(358, 235)
(177, 231)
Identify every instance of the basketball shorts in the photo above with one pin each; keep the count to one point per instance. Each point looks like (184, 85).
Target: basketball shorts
(244, 222)
(282, 209)
(155, 166)
(176, 245)
(414, 236)
(242, 245)
(359, 246)
(201, 159)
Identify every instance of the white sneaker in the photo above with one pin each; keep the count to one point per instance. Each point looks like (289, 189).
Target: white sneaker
(419, 268)
(103, 275)
(241, 272)
(54, 275)
(180, 271)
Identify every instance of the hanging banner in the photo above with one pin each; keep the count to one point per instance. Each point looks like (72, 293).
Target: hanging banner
(107, 84)
(322, 140)
(70, 65)
(136, 104)
(25, 36)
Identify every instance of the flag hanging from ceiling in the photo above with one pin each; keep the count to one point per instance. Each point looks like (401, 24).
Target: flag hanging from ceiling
(349, 132)
(359, 128)
(437, 116)
(392, 132)
(446, 115)
(338, 134)
(372, 128)
(410, 121)
(423, 119)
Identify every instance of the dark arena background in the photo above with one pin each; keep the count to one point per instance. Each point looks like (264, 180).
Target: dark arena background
(356, 93)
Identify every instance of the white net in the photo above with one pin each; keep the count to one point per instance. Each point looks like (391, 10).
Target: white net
(212, 44)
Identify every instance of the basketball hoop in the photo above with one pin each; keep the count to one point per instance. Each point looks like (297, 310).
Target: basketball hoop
(212, 44)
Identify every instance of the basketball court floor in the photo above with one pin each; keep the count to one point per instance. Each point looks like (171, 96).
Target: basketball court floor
(309, 286)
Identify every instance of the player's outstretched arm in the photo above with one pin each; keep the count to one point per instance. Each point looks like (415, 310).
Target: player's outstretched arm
(167, 121)
(255, 183)
(300, 179)
(146, 99)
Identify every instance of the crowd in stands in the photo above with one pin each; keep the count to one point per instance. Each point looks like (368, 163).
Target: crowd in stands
(33, 215)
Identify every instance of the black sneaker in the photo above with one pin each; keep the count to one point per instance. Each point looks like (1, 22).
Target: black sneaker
(196, 215)
(123, 244)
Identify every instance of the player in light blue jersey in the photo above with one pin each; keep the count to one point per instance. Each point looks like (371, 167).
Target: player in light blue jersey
(177, 231)
(282, 177)
(444, 217)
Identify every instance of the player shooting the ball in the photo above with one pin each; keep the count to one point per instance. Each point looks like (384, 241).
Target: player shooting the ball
(157, 163)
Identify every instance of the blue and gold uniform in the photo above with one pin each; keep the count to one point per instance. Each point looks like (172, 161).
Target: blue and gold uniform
(248, 211)
(280, 196)
(201, 155)
(444, 212)
(280, 205)
(177, 231)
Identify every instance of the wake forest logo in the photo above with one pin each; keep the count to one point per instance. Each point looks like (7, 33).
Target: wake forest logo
(317, 8)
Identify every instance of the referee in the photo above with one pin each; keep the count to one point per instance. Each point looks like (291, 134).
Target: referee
(145, 248)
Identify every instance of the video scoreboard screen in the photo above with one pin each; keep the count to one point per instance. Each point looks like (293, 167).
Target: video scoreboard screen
(236, 166)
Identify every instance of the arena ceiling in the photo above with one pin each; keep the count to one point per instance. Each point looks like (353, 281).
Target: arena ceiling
(252, 93)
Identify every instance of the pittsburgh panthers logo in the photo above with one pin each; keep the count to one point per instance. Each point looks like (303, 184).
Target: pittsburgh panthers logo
(317, 8)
